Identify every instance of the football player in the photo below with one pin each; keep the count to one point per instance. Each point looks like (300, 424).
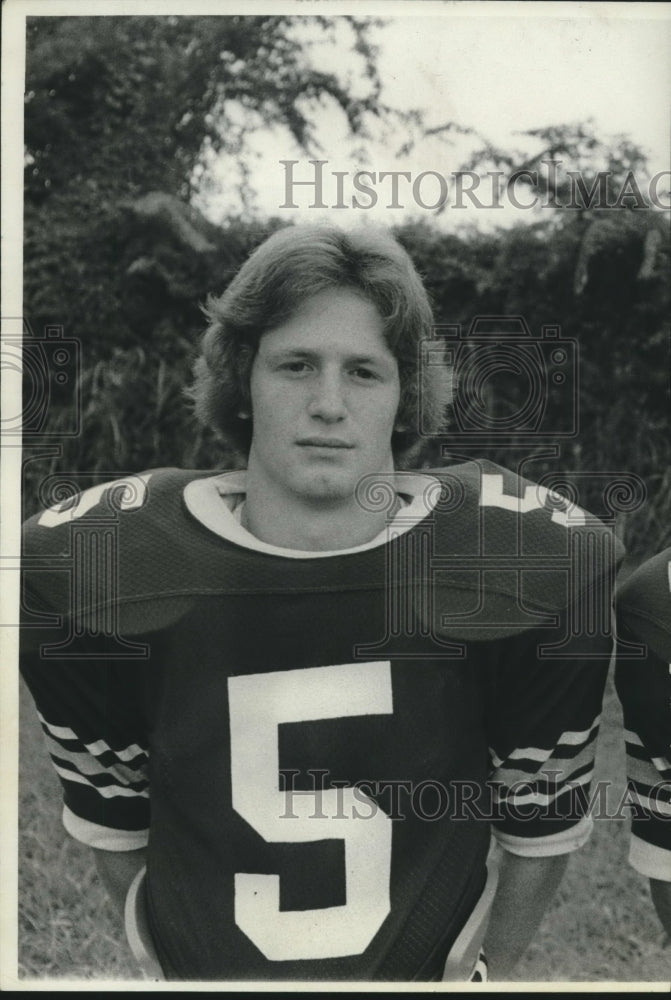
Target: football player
(287, 706)
(644, 689)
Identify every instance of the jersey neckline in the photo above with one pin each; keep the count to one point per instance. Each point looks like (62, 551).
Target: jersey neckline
(212, 502)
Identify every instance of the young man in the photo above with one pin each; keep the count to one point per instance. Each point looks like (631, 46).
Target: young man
(644, 689)
(338, 655)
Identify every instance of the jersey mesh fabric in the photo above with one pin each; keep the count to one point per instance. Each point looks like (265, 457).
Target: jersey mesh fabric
(452, 651)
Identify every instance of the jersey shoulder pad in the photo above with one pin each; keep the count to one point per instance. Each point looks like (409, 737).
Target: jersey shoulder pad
(108, 501)
(517, 538)
(98, 546)
(644, 603)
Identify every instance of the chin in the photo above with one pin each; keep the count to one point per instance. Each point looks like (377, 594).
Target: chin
(326, 488)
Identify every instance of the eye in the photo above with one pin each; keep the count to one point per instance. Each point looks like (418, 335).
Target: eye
(366, 374)
(295, 367)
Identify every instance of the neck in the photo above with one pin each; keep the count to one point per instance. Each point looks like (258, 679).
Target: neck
(295, 522)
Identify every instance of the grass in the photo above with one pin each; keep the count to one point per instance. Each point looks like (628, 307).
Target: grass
(601, 926)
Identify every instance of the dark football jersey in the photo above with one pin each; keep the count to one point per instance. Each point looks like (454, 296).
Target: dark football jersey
(314, 747)
(644, 688)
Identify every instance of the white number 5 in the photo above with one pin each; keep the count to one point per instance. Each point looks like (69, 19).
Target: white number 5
(258, 704)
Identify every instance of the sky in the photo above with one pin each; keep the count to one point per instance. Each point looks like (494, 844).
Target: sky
(498, 68)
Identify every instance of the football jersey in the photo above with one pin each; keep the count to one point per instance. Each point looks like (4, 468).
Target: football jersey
(644, 688)
(314, 747)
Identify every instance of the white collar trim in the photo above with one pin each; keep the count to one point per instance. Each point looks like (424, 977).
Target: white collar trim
(211, 502)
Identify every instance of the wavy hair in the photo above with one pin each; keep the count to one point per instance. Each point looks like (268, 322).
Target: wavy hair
(291, 266)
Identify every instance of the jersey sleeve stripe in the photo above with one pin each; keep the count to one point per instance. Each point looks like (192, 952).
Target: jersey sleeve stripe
(554, 771)
(107, 791)
(97, 747)
(653, 798)
(126, 754)
(570, 742)
(573, 738)
(648, 770)
(532, 754)
(636, 748)
(526, 795)
(526, 798)
(72, 749)
(88, 767)
(83, 761)
(103, 837)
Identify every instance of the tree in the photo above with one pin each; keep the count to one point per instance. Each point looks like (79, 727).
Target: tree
(122, 116)
(118, 107)
(601, 275)
(123, 105)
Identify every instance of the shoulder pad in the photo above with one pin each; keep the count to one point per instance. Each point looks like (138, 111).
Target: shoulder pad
(515, 554)
(88, 537)
(108, 501)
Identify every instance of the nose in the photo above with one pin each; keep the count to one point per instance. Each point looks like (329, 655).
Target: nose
(327, 402)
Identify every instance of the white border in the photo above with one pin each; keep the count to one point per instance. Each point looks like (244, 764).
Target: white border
(13, 61)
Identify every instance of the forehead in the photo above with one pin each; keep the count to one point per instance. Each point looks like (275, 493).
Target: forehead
(335, 320)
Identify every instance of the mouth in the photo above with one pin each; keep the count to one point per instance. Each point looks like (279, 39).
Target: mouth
(319, 442)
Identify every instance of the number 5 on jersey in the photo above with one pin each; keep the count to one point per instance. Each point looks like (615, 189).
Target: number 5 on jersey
(258, 703)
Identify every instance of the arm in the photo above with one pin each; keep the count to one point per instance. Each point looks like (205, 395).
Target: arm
(90, 701)
(117, 869)
(544, 723)
(661, 897)
(526, 886)
(642, 688)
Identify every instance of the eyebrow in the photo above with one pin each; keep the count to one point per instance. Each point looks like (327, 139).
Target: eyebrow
(306, 354)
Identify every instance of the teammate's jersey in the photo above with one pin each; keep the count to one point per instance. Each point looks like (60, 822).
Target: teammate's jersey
(644, 689)
(314, 746)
